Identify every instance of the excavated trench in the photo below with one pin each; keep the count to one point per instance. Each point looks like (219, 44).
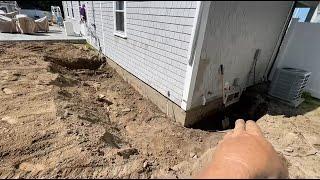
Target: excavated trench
(92, 63)
(252, 105)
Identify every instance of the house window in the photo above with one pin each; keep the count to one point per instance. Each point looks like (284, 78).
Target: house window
(119, 18)
(72, 10)
(67, 8)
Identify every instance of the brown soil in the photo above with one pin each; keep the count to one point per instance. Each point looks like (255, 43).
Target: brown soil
(65, 114)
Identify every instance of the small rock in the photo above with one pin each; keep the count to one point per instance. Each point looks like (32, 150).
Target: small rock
(192, 154)
(195, 157)
(7, 91)
(288, 149)
(126, 153)
(96, 85)
(126, 110)
(66, 114)
(145, 164)
(102, 98)
(10, 120)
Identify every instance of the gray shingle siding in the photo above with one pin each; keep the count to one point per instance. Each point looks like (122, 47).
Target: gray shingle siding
(156, 47)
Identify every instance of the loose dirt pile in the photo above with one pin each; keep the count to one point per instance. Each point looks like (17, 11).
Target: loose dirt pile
(60, 120)
(65, 114)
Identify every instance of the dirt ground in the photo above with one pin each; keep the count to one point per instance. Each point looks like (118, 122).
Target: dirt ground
(65, 114)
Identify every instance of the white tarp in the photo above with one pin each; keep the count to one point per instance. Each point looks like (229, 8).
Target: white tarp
(7, 25)
(23, 24)
(42, 24)
(26, 25)
(11, 14)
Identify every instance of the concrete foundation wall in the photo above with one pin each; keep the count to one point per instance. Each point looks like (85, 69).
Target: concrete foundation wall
(302, 50)
(185, 118)
(165, 105)
(233, 33)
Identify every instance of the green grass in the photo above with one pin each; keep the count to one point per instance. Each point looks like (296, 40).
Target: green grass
(89, 47)
(310, 103)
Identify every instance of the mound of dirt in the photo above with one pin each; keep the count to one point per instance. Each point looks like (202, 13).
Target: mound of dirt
(63, 115)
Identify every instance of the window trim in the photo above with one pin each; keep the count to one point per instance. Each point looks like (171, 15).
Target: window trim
(72, 11)
(68, 13)
(122, 34)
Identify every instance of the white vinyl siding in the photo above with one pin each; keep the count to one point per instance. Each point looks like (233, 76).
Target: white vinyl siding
(76, 10)
(155, 49)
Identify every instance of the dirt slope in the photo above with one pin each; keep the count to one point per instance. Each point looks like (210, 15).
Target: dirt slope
(59, 122)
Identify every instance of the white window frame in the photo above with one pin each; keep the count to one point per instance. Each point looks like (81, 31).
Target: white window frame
(72, 11)
(68, 13)
(122, 34)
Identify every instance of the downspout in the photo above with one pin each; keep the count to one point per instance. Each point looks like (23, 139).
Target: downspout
(281, 40)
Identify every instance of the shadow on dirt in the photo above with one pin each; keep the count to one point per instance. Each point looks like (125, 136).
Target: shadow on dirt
(92, 63)
(254, 104)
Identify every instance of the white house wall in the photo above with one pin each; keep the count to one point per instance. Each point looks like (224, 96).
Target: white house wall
(233, 33)
(156, 47)
(302, 50)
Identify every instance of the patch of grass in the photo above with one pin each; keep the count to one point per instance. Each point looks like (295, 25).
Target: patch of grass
(310, 102)
(88, 46)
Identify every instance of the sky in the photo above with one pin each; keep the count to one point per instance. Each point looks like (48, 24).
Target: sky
(301, 13)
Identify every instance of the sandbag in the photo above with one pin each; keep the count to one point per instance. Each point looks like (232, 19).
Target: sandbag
(7, 25)
(42, 24)
(26, 25)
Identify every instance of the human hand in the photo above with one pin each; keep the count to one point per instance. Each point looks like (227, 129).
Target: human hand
(245, 153)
